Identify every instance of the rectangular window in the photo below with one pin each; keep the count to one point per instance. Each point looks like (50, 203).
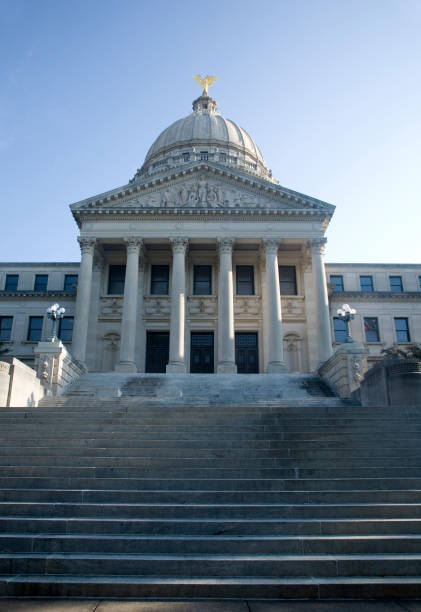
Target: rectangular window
(396, 284)
(244, 280)
(223, 157)
(5, 328)
(160, 280)
(11, 282)
(338, 282)
(287, 280)
(339, 328)
(70, 282)
(419, 283)
(366, 283)
(41, 282)
(402, 329)
(204, 155)
(65, 329)
(371, 329)
(116, 276)
(202, 280)
(186, 157)
(35, 328)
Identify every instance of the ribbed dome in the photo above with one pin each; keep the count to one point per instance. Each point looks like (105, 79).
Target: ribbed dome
(205, 135)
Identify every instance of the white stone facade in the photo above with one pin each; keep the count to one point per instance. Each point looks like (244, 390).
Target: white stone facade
(204, 203)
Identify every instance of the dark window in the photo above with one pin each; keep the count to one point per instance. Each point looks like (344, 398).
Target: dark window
(246, 353)
(287, 280)
(157, 351)
(159, 280)
(339, 328)
(338, 282)
(402, 329)
(204, 155)
(371, 329)
(11, 282)
(419, 283)
(186, 157)
(35, 328)
(201, 353)
(396, 283)
(116, 278)
(223, 157)
(366, 283)
(245, 280)
(202, 280)
(41, 282)
(5, 328)
(70, 282)
(65, 329)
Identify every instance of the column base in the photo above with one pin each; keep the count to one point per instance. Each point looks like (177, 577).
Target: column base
(128, 367)
(277, 367)
(226, 368)
(176, 368)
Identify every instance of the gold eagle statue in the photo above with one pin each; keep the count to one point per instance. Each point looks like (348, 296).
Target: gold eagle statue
(205, 82)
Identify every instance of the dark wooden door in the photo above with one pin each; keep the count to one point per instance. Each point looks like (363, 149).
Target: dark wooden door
(246, 353)
(201, 353)
(157, 351)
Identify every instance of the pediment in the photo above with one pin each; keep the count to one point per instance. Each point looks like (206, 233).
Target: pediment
(204, 190)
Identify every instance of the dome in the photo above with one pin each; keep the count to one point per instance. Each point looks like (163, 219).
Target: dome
(205, 135)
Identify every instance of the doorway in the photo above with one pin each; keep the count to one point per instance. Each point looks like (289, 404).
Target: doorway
(201, 353)
(246, 353)
(157, 352)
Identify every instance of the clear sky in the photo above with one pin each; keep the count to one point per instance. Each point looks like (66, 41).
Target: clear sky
(330, 90)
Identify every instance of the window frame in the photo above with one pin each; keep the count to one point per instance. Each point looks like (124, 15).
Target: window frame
(368, 288)
(240, 282)
(30, 330)
(406, 330)
(3, 329)
(111, 269)
(376, 330)
(332, 276)
(66, 277)
(8, 277)
(37, 280)
(154, 268)
(196, 281)
(392, 288)
(335, 330)
(60, 329)
(294, 268)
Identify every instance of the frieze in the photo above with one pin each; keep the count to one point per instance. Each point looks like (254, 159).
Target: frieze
(374, 296)
(205, 305)
(111, 308)
(248, 305)
(157, 306)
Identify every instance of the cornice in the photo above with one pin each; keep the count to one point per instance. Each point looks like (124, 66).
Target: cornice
(38, 294)
(374, 296)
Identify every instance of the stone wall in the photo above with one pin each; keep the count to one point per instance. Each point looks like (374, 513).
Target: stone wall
(345, 369)
(56, 367)
(395, 382)
(19, 385)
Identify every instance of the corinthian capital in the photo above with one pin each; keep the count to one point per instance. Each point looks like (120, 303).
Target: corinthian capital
(87, 244)
(318, 245)
(133, 244)
(179, 244)
(225, 245)
(271, 246)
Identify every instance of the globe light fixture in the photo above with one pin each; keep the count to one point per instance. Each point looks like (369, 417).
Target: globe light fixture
(347, 314)
(55, 313)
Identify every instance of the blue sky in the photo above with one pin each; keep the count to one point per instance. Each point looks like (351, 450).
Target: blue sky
(330, 90)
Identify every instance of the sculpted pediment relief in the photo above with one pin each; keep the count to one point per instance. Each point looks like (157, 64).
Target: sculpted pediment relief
(206, 193)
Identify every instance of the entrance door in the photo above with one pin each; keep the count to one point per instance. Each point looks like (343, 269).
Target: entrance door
(157, 351)
(246, 356)
(201, 353)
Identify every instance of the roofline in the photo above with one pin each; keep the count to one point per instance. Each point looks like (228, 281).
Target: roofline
(51, 264)
(374, 265)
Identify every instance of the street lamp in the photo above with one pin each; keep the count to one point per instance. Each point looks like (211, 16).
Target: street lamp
(55, 313)
(346, 314)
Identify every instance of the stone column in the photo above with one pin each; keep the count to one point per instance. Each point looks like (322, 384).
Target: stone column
(323, 318)
(129, 323)
(276, 363)
(83, 299)
(226, 339)
(177, 362)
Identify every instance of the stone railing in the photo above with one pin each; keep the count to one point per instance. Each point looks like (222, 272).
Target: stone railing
(19, 385)
(55, 366)
(392, 382)
(344, 370)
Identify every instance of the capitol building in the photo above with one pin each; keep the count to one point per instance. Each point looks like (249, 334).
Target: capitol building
(204, 263)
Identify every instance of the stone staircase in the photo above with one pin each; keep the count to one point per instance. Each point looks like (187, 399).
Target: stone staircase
(126, 498)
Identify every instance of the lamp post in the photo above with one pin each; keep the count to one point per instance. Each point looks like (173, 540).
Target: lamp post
(55, 313)
(347, 314)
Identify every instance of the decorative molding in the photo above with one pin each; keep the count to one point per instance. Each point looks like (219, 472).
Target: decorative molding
(374, 296)
(318, 245)
(248, 305)
(226, 244)
(156, 306)
(87, 244)
(133, 244)
(271, 246)
(203, 305)
(179, 244)
(111, 308)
